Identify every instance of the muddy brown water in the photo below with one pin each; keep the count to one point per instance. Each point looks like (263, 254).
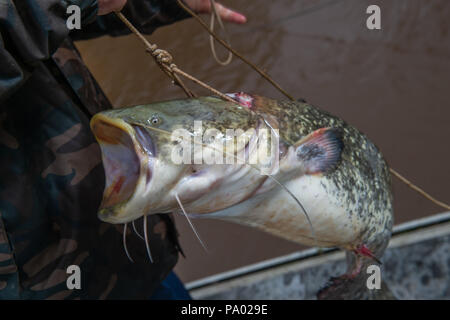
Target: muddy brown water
(393, 84)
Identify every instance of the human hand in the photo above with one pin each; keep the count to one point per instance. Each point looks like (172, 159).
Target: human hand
(199, 6)
(108, 6)
(204, 6)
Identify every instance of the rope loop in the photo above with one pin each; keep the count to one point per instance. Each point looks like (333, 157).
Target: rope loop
(212, 40)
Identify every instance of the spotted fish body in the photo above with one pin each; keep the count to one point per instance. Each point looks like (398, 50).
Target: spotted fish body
(348, 206)
(336, 173)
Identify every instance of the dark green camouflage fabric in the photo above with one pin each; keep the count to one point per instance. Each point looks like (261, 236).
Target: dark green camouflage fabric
(50, 166)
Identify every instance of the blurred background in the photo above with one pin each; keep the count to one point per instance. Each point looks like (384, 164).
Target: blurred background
(393, 84)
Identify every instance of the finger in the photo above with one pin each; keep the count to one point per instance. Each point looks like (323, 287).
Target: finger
(108, 6)
(229, 15)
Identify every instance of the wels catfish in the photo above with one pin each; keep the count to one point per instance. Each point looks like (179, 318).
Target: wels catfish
(326, 184)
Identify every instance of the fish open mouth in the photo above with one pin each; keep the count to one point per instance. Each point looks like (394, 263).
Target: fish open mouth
(120, 160)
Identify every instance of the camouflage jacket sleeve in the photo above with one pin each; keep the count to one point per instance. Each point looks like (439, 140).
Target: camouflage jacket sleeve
(52, 177)
(146, 15)
(31, 31)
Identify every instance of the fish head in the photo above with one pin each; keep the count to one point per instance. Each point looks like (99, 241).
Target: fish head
(150, 157)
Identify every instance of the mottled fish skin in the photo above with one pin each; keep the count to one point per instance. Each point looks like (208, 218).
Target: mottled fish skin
(220, 115)
(362, 179)
(349, 205)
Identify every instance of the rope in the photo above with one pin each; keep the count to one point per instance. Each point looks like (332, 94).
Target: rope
(419, 190)
(276, 85)
(164, 61)
(162, 57)
(204, 85)
(253, 66)
(211, 38)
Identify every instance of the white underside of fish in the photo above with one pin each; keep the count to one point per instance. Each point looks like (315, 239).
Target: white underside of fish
(276, 212)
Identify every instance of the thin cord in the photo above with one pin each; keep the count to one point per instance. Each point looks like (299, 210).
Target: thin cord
(217, 92)
(162, 57)
(214, 14)
(419, 190)
(252, 65)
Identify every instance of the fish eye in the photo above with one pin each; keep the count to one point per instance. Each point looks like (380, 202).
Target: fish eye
(155, 120)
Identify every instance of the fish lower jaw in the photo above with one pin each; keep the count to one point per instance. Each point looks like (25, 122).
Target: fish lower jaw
(122, 213)
(104, 216)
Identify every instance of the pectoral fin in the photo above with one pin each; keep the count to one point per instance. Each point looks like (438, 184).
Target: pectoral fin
(320, 151)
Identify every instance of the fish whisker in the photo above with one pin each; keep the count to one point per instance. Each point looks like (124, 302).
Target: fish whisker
(124, 239)
(289, 191)
(300, 204)
(147, 245)
(135, 230)
(190, 223)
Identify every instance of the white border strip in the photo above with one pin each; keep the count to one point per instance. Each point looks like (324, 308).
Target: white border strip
(303, 254)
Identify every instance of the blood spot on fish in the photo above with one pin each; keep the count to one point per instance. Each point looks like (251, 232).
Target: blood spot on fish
(366, 252)
(244, 99)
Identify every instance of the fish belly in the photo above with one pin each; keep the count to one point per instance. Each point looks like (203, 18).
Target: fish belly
(278, 213)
